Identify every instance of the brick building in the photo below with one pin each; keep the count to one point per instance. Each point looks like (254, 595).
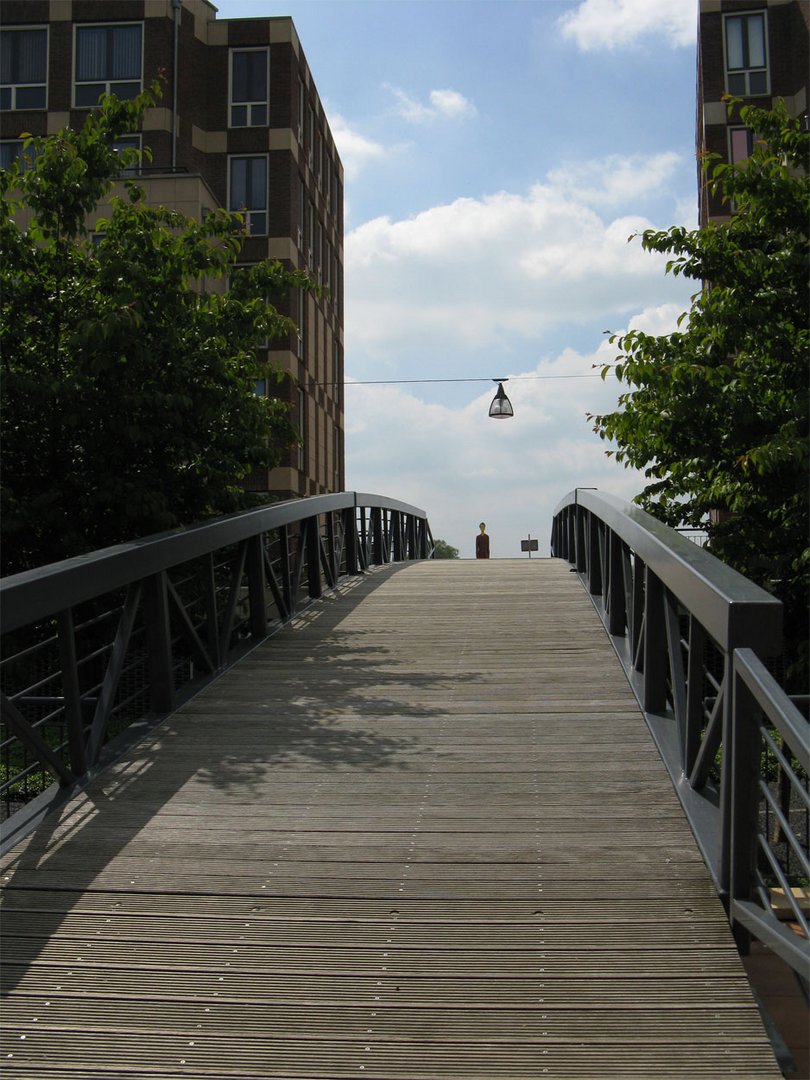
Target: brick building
(757, 50)
(240, 125)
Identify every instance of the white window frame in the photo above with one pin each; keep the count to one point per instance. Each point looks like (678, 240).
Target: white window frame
(248, 212)
(15, 86)
(249, 105)
(108, 83)
(747, 71)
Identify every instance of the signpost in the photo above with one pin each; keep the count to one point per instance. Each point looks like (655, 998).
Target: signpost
(528, 545)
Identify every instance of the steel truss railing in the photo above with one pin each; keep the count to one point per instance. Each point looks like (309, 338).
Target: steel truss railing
(694, 637)
(97, 647)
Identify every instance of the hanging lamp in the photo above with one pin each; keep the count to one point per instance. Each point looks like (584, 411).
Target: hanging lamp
(501, 407)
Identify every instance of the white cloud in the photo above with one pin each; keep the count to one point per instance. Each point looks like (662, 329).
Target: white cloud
(616, 180)
(474, 270)
(443, 104)
(613, 24)
(355, 150)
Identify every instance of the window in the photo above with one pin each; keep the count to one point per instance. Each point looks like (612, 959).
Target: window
(23, 68)
(129, 142)
(741, 144)
(302, 324)
(249, 82)
(260, 388)
(746, 58)
(308, 230)
(301, 111)
(108, 61)
(9, 152)
(336, 459)
(302, 213)
(302, 430)
(248, 191)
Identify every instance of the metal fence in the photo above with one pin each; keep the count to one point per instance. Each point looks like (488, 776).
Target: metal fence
(696, 639)
(98, 647)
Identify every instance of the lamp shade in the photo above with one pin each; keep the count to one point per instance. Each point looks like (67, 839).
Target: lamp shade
(501, 406)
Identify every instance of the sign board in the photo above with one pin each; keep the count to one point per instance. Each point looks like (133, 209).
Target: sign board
(528, 545)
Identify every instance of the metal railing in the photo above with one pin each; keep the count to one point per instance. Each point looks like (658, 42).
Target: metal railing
(695, 638)
(98, 647)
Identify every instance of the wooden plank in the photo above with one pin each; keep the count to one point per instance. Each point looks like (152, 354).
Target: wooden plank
(423, 834)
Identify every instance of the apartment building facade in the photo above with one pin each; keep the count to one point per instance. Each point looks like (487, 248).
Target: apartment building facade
(240, 125)
(756, 50)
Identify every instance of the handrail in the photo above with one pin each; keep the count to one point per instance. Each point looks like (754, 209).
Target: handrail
(101, 640)
(679, 619)
(762, 714)
(29, 596)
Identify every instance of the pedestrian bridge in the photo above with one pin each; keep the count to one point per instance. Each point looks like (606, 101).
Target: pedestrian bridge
(324, 807)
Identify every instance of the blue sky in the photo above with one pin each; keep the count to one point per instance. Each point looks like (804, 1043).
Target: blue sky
(498, 155)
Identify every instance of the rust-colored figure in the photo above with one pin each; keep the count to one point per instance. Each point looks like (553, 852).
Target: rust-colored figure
(482, 543)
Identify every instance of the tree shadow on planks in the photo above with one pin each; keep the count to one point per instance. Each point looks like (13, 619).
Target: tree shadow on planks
(320, 700)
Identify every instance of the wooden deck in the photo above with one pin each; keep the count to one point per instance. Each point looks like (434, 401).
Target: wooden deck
(424, 834)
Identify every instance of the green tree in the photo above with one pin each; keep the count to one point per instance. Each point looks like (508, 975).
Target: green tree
(716, 414)
(443, 550)
(128, 370)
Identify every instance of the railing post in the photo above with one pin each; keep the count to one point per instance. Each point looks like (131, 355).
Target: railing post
(594, 557)
(580, 559)
(396, 529)
(741, 774)
(413, 550)
(377, 543)
(70, 689)
(616, 612)
(655, 662)
(313, 555)
(254, 564)
(332, 550)
(350, 540)
(158, 643)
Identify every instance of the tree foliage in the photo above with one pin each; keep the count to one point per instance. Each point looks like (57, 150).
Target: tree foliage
(127, 370)
(443, 550)
(716, 414)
